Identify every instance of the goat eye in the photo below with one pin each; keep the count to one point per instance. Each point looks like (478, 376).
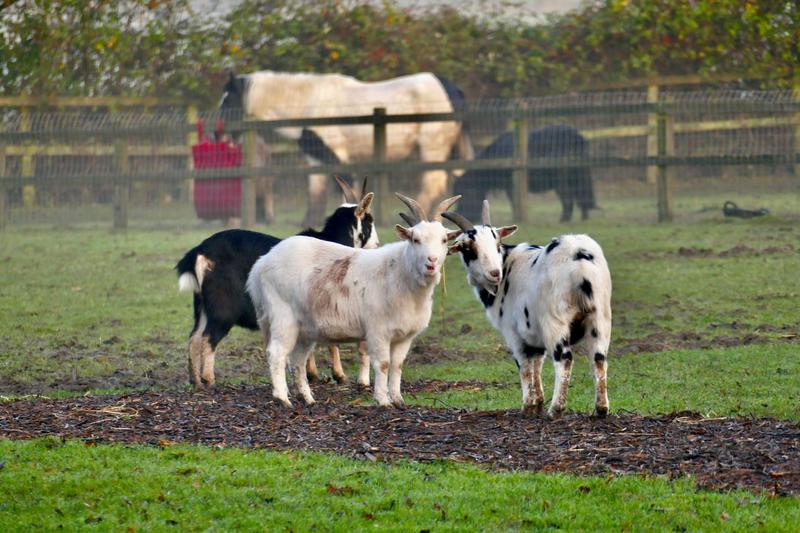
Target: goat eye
(415, 240)
(444, 241)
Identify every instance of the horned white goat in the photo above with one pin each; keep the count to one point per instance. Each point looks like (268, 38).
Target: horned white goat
(307, 291)
(543, 300)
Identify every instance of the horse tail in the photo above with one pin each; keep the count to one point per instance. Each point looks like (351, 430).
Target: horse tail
(458, 101)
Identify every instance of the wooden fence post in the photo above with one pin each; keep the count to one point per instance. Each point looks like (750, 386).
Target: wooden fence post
(520, 175)
(249, 181)
(796, 93)
(379, 156)
(121, 186)
(191, 138)
(28, 190)
(666, 147)
(651, 173)
(4, 207)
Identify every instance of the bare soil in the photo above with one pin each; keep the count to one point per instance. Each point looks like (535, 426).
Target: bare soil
(720, 453)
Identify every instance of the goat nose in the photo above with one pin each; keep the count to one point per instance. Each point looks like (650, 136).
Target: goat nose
(432, 259)
(494, 273)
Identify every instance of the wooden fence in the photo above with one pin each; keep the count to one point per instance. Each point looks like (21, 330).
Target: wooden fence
(659, 130)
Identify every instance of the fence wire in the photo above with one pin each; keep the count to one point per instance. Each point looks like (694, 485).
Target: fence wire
(586, 151)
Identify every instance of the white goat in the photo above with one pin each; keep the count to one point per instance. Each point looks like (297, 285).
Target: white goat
(543, 301)
(307, 291)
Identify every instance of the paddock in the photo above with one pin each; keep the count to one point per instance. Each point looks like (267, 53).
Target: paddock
(703, 373)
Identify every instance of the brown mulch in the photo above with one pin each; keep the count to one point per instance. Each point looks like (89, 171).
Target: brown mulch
(720, 453)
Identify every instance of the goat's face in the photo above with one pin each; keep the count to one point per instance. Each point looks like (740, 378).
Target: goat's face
(481, 253)
(364, 234)
(481, 249)
(427, 247)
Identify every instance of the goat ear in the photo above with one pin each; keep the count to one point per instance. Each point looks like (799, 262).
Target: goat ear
(403, 232)
(505, 231)
(363, 205)
(453, 234)
(454, 249)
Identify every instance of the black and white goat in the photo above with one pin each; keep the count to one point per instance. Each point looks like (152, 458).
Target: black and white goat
(216, 271)
(307, 291)
(543, 300)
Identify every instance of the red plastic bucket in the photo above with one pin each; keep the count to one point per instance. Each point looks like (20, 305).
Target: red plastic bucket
(217, 197)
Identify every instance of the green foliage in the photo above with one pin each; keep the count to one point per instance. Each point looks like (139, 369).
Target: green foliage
(159, 47)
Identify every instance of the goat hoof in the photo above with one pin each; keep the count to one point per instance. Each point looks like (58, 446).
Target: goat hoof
(312, 377)
(600, 412)
(284, 401)
(341, 379)
(399, 404)
(532, 410)
(554, 414)
(363, 386)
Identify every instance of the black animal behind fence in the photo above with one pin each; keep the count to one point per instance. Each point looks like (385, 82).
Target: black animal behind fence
(571, 184)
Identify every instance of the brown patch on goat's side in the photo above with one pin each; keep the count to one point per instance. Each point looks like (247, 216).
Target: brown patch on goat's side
(325, 281)
(338, 270)
(385, 366)
(320, 299)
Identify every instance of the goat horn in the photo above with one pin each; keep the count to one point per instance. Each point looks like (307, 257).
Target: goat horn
(459, 220)
(485, 219)
(409, 219)
(415, 208)
(443, 206)
(350, 195)
(364, 187)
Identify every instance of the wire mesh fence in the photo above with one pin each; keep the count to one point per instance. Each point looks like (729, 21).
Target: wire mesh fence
(629, 155)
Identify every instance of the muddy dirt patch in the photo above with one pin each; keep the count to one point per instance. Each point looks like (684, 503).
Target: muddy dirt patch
(740, 250)
(720, 453)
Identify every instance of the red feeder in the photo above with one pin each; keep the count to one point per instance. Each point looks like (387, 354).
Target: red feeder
(217, 198)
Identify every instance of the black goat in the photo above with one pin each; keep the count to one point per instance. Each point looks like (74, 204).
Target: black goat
(572, 184)
(216, 271)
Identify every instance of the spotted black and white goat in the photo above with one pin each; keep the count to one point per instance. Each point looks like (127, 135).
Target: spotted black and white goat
(543, 300)
(307, 291)
(216, 271)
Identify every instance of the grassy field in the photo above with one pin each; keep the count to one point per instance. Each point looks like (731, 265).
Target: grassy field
(705, 319)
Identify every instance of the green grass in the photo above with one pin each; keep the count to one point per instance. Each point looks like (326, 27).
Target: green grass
(49, 484)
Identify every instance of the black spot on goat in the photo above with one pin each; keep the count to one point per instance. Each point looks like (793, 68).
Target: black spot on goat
(586, 288)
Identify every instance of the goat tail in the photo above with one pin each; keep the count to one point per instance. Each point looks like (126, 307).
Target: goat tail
(187, 272)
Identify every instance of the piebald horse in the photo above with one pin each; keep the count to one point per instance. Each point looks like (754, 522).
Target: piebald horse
(268, 95)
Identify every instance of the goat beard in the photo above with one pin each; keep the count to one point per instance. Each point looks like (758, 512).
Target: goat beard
(491, 288)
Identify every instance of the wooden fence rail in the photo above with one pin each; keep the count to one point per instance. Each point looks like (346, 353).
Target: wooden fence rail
(660, 130)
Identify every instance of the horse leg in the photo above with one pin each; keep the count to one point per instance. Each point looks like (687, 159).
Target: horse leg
(317, 194)
(566, 196)
(264, 187)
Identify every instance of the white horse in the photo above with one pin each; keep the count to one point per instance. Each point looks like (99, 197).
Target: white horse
(271, 95)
